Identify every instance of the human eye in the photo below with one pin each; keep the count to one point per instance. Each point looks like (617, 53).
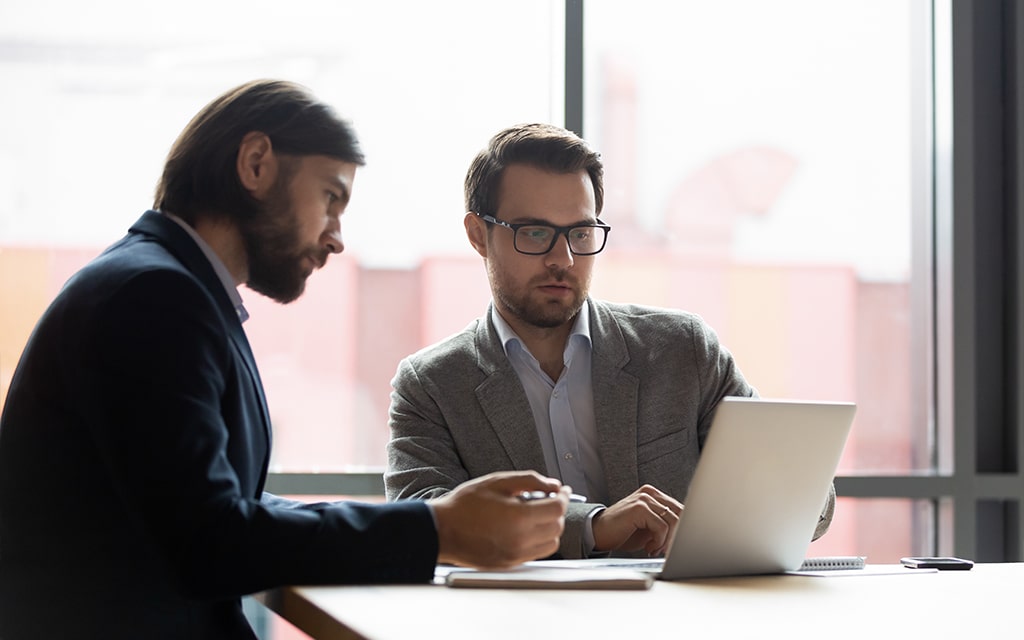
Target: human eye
(536, 234)
(581, 233)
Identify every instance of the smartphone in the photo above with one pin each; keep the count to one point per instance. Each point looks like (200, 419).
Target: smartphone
(940, 563)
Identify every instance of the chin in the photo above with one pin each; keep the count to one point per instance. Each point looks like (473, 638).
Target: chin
(280, 292)
(552, 320)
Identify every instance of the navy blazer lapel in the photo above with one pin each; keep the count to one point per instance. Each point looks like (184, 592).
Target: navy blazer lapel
(504, 401)
(185, 249)
(616, 394)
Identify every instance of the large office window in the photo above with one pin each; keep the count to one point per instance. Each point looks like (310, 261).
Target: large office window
(97, 95)
(761, 173)
(831, 185)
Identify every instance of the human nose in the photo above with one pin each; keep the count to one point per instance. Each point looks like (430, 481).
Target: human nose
(560, 255)
(331, 238)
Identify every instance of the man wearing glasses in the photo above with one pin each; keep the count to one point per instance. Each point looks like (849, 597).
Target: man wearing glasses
(615, 400)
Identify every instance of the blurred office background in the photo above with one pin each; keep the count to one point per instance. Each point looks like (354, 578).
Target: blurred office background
(833, 185)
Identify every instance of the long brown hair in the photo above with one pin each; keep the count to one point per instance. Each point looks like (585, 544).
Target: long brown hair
(200, 173)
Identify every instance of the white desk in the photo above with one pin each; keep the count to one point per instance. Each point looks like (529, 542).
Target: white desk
(983, 602)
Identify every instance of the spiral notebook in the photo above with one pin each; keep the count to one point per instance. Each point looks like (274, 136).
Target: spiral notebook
(832, 563)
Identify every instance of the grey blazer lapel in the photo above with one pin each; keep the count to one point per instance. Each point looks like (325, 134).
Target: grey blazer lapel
(504, 402)
(616, 395)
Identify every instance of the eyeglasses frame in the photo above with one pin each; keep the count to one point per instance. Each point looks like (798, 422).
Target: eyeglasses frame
(559, 231)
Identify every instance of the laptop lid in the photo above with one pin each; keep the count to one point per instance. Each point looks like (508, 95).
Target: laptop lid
(761, 482)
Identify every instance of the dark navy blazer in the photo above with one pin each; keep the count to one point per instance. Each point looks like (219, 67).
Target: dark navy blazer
(134, 445)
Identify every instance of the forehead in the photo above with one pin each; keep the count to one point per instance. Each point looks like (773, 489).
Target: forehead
(326, 169)
(530, 193)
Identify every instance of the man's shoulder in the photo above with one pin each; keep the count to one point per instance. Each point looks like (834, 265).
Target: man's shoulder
(456, 347)
(139, 252)
(133, 274)
(451, 363)
(134, 258)
(627, 315)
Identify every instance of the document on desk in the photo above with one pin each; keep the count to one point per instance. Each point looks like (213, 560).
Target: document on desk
(551, 578)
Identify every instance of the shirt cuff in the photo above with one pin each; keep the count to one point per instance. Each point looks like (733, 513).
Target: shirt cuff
(588, 532)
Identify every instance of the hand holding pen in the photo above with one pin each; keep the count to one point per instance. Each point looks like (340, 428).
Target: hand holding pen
(482, 524)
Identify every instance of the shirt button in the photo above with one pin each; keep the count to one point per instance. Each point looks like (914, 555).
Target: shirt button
(568, 456)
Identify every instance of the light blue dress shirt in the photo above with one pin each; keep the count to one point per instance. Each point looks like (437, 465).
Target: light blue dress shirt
(563, 410)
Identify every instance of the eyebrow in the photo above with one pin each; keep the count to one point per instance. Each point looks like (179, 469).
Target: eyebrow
(551, 224)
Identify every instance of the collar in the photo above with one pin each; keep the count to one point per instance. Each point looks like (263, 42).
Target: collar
(218, 267)
(508, 336)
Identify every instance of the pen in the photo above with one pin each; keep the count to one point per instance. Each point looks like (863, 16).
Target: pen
(539, 495)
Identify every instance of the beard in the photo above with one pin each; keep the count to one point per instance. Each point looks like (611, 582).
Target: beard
(277, 259)
(538, 313)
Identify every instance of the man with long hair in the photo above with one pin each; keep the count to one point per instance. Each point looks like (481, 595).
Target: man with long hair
(135, 438)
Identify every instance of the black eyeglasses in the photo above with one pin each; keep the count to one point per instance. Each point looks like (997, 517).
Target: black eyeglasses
(535, 239)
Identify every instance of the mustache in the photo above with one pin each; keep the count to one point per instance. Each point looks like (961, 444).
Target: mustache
(319, 256)
(560, 276)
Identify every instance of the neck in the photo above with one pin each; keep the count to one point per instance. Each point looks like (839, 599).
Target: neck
(226, 241)
(547, 344)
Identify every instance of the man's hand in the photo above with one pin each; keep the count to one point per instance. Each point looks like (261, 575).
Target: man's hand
(645, 519)
(482, 523)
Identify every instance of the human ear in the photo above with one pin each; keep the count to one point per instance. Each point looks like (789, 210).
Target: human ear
(256, 163)
(476, 231)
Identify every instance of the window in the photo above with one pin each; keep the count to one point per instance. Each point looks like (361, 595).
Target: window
(103, 93)
(834, 186)
(760, 173)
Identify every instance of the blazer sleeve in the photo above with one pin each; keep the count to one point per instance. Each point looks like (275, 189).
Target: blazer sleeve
(159, 341)
(423, 461)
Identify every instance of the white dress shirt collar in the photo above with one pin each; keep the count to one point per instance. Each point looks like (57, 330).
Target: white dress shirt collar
(218, 267)
(507, 335)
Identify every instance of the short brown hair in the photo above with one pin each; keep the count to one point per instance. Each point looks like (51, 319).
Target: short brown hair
(200, 173)
(543, 146)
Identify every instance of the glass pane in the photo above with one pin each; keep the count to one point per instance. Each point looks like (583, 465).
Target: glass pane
(103, 89)
(883, 529)
(759, 173)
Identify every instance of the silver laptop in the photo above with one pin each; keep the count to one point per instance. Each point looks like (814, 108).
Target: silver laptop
(761, 482)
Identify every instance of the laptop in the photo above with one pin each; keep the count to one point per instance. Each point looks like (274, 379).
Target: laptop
(761, 482)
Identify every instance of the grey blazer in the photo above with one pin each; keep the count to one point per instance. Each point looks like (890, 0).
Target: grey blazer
(458, 410)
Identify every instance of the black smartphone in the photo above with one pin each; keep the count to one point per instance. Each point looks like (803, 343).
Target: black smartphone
(937, 562)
